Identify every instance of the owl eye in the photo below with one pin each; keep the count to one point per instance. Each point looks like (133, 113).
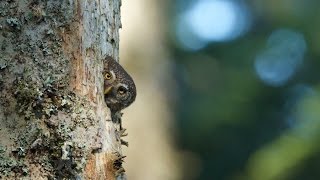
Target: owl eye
(122, 90)
(108, 76)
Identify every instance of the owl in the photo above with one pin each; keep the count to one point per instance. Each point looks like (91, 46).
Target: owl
(119, 88)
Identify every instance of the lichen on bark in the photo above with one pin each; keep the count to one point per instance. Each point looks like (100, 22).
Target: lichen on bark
(49, 127)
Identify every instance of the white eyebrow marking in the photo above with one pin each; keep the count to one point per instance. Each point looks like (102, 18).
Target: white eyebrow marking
(113, 74)
(123, 85)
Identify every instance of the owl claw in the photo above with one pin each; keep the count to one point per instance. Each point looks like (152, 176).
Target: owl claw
(120, 171)
(123, 133)
(123, 142)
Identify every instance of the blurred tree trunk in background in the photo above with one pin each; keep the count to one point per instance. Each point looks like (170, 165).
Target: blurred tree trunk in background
(151, 124)
(53, 119)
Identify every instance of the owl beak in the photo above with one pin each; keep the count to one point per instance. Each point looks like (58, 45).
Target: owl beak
(107, 90)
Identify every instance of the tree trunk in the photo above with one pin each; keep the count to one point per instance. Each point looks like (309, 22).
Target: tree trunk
(54, 123)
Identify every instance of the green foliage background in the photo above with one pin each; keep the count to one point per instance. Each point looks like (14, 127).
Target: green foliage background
(238, 127)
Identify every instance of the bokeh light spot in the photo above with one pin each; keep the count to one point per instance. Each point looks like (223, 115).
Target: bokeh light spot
(283, 55)
(213, 20)
(186, 37)
(207, 21)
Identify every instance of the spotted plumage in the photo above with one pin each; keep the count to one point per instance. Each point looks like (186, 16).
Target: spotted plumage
(119, 88)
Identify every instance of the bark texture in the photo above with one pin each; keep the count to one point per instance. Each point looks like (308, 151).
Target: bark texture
(53, 120)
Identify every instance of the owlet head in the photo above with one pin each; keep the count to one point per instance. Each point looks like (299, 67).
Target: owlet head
(119, 88)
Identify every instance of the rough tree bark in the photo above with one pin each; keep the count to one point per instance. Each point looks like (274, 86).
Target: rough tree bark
(54, 123)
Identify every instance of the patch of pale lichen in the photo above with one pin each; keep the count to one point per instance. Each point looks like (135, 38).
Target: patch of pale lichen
(61, 112)
(10, 166)
(34, 101)
(52, 115)
(41, 112)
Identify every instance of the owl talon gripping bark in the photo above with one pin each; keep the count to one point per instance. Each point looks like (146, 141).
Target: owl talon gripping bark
(119, 88)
